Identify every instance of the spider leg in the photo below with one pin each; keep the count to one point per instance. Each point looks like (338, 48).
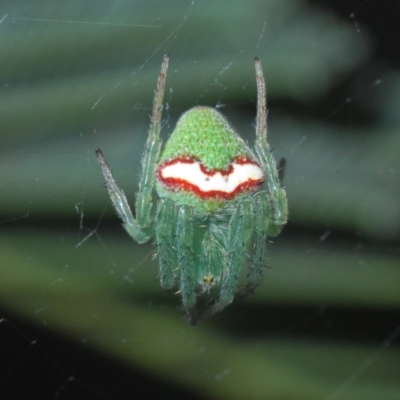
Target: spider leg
(136, 227)
(166, 242)
(239, 238)
(144, 199)
(120, 202)
(186, 260)
(260, 229)
(175, 247)
(277, 194)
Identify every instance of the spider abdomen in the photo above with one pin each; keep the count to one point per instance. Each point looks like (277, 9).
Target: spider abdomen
(205, 164)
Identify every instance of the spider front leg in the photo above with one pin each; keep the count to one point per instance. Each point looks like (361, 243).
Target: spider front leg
(277, 195)
(138, 228)
(144, 200)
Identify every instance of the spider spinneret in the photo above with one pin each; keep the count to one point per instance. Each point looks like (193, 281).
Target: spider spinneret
(208, 201)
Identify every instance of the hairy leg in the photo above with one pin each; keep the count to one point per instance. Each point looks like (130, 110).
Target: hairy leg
(144, 199)
(238, 239)
(165, 231)
(186, 256)
(120, 203)
(277, 195)
(260, 229)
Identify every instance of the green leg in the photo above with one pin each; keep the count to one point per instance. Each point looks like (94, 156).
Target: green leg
(278, 201)
(120, 203)
(238, 240)
(166, 243)
(212, 259)
(261, 224)
(144, 200)
(239, 237)
(138, 227)
(186, 258)
(260, 229)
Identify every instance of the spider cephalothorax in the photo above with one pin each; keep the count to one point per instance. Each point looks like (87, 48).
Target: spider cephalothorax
(214, 204)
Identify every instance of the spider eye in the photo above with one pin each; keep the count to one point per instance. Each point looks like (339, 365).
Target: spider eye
(208, 279)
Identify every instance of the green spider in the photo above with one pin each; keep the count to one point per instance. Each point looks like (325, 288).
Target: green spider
(214, 204)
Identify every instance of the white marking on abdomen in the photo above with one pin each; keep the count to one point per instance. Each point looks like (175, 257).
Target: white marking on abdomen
(227, 183)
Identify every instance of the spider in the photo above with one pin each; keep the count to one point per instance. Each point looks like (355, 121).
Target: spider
(208, 201)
